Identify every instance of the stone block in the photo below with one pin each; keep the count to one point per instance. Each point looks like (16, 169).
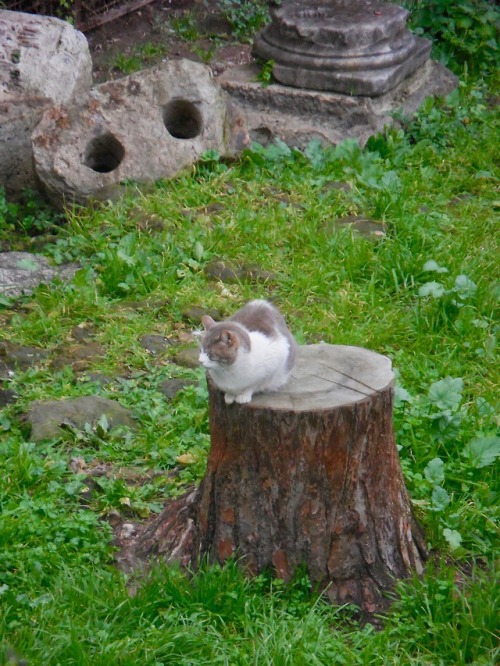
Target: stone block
(141, 128)
(43, 61)
(297, 115)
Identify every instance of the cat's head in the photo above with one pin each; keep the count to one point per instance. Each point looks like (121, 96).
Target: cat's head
(221, 342)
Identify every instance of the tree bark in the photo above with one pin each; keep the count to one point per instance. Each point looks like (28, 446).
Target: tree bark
(309, 475)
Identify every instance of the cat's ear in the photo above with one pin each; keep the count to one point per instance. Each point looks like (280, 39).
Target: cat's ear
(207, 322)
(228, 338)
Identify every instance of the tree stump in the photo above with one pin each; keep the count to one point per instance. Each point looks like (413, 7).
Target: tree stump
(309, 475)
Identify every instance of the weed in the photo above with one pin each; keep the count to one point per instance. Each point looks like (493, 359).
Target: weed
(204, 54)
(465, 33)
(150, 51)
(139, 57)
(185, 27)
(265, 75)
(27, 217)
(127, 63)
(245, 17)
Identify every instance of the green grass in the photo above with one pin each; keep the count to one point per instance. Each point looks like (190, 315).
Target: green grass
(139, 57)
(426, 295)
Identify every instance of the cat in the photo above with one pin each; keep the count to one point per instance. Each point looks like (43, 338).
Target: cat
(250, 352)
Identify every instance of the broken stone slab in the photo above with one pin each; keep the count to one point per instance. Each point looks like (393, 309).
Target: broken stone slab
(43, 61)
(22, 272)
(298, 116)
(141, 128)
(355, 47)
(48, 419)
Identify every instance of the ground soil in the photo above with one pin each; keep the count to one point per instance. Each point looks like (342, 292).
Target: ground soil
(152, 30)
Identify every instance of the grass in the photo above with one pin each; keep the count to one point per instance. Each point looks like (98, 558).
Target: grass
(426, 295)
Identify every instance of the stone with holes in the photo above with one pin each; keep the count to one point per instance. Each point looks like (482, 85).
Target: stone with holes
(43, 61)
(141, 128)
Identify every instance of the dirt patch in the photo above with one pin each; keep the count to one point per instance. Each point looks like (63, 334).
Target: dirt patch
(165, 30)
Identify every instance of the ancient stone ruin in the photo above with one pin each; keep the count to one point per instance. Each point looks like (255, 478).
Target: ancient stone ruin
(43, 61)
(342, 68)
(85, 142)
(144, 127)
(355, 48)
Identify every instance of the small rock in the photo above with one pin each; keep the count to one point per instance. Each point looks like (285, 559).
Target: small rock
(188, 358)
(79, 357)
(147, 304)
(254, 273)
(373, 229)
(7, 397)
(127, 530)
(48, 418)
(194, 313)
(87, 493)
(230, 274)
(171, 387)
(114, 517)
(22, 272)
(454, 201)
(214, 207)
(99, 378)
(222, 271)
(14, 659)
(100, 469)
(338, 185)
(77, 465)
(203, 213)
(185, 337)
(155, 344)
(83, 332)
(149, 223)
(18, 357)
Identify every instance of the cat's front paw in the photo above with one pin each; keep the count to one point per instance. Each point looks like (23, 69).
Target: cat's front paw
(243, 398)
(229, 398)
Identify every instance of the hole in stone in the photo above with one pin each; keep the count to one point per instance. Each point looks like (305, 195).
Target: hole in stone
(182, 119)
(104, 153)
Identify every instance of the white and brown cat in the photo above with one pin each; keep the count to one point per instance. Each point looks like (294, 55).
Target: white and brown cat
(250, 352)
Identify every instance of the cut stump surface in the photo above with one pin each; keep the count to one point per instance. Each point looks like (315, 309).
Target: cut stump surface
(308, 475)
